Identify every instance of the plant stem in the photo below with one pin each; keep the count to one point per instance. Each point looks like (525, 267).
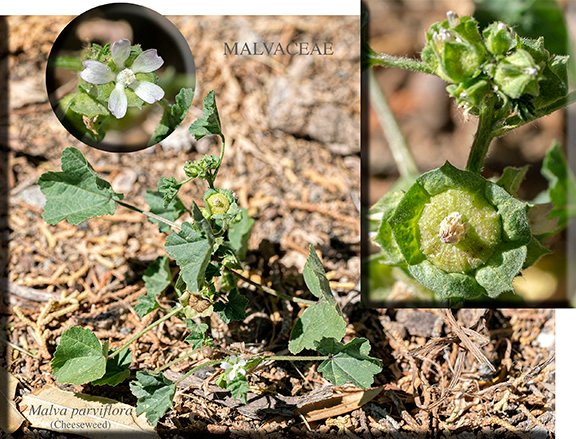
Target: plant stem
(515, 122)
(148, 328)
(269, 290)
(196, 368)
(296, 357)
(385, 60)
(187, 353)
(149, 214)
(396, 140)
(482, 138)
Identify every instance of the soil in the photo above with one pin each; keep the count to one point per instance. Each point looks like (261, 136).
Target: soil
(294, 162)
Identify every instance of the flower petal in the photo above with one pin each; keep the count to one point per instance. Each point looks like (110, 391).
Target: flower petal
(96, 72)
(120, 52)
(118, 102)
(148, 61)
(147, 91)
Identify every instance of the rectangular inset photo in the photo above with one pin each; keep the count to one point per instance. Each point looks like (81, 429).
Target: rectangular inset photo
(468, 189)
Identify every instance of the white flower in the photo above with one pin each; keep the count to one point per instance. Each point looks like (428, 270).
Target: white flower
(99, 73)
(236, 365)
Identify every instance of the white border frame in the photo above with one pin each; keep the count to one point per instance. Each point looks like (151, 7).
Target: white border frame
(214, 7)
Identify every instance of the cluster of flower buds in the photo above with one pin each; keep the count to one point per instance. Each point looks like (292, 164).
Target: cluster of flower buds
(201, 168)
(495, 62)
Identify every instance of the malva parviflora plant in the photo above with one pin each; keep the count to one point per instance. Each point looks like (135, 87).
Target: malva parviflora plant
(207, 248)
(460, 235)
(113, 79)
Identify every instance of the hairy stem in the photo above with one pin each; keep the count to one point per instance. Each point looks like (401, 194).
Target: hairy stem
(482, 138)
(385, 60)
(148, 328)
(269, 290)
(196, 368)
(396, 140)
(295, 357)
(149, 214)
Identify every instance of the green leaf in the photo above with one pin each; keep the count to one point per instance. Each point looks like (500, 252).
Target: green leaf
(561, 185)
(348, 363)
(239, 388)
(155, 393)
(315, 277)
(117, 369)
(173, 115)
(157, 278)
(234, 309)
(146, 304)
(84, 104)
(201, 222)
(197, 337)
(171, 211)
(78, 358)
(168, 188)
(209, 123)
(319, 321)
(77, 193)
(512, 178)
(192, 252)
(239, 233)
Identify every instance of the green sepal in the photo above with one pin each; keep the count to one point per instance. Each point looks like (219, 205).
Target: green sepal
(445, 285)
(535, 250)
(390, 251)
(404, 223)
(513, 214)
(511, 179)
(497, 274)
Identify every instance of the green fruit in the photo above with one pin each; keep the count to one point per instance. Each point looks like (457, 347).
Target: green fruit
(459, 234)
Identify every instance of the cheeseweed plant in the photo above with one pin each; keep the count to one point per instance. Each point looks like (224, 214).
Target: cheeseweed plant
(207, 242)
(450, 233)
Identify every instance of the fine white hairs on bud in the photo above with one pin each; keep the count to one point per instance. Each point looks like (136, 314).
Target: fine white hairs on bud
(531, 71)
(452, 229)
(453, 19)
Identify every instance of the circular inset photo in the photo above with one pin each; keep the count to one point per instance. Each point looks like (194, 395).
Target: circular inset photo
(120, 77)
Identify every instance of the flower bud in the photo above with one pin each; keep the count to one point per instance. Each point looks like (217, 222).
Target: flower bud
(499, 38)
(518, 74)
(454, 49)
